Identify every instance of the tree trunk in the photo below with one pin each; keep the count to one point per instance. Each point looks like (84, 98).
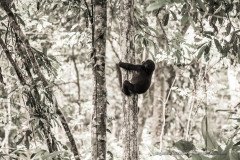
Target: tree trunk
(99, 26)
(159, 97)
(164, 79)
(143, 113)
(130, 107)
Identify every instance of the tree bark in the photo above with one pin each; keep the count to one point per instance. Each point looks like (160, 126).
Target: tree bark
(159, 98)
(142, 115)
(130, 107)
(99, 116)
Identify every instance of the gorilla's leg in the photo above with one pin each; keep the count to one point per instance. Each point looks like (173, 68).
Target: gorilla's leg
(127, 88)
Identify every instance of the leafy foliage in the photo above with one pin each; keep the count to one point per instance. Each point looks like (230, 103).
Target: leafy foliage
(199, 39)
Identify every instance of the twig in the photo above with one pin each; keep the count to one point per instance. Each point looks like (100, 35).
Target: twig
(189, 117)
(163, 30)
(77, 76)
(114, 50)
(163, 114)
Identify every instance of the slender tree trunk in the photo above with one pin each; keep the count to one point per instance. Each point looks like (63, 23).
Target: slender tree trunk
(164, 78)
(159, 98)
(130, 107)
(74, 57)
(142, 116)
(69, 134)
(98, 63)
(130, 110)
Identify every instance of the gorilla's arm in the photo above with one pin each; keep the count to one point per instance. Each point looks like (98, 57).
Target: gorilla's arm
(140, 81)
(130, 67)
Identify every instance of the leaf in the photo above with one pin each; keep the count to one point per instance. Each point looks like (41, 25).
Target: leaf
(20, 140)
(108, 130)
(165, 19)
(157, 5)
(208, 33)
(220, 19)
(20, 20)
(210, 142)
(3, 17)
(201, 50)
(145, 42)
(206, 54)
(229, 7)
(184, 20)
(53, 58)
(212, 22)
(143, 21)
(27, 143)
(1, 76)
(65, 147)
(218, 45)
(54, 7)
(33, 155)
(38, 5)
(195, 17)
(228, 28)
(206, 51)
(174, 15)
(226, 49)
(233, 36)
(201, 5)
(110, 154)
(184, 146)
(154, 30)
(74, 27)
(178, 55)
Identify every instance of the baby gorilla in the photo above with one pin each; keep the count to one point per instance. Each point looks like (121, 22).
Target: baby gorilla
(141, 79)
